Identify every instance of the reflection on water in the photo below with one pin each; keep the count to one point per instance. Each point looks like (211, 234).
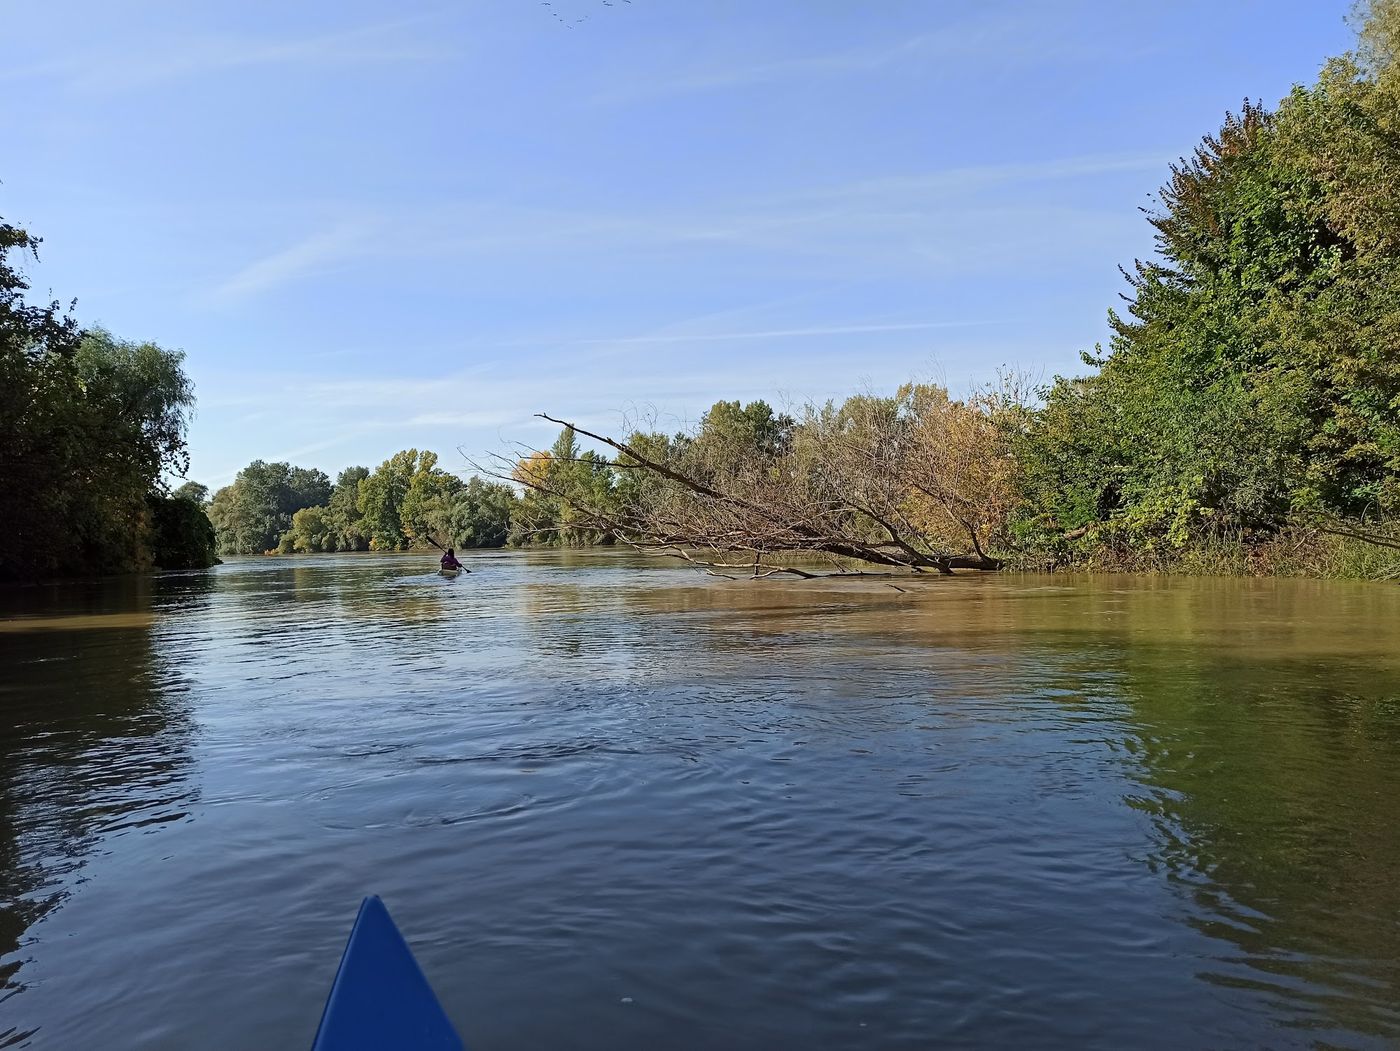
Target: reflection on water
(618, 804)
(1273, 796)
(93, 745)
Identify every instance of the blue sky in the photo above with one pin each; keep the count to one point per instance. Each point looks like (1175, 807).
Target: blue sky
(376, 226)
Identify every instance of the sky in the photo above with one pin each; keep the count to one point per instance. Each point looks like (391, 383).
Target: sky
(380, 226)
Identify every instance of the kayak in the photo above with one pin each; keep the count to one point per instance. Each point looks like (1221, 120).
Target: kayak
(449, 572)
(380, 998)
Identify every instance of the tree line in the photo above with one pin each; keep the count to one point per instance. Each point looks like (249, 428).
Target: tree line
(90, 427)
(407, 501)
(741, 480)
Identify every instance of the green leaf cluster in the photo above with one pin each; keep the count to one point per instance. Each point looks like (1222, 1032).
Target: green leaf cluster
(89, 427)
(182, 537)
(407, 501)
(1254, 378)
(252, 513)
(560, 484)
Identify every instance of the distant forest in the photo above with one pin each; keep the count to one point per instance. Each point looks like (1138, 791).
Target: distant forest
(406, 501)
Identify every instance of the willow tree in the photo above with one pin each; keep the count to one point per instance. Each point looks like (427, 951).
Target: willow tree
(89, 425)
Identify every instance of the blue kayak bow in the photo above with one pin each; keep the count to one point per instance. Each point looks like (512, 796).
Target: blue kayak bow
(380, 999)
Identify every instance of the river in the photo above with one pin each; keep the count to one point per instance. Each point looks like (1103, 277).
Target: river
(616, 804)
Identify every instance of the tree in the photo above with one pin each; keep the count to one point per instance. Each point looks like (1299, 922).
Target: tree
(252, 514)
(559, 485)
(382, 499)
(310, 532)
(480, 514)
(29, 329)
(1253, 382)
(88, 425)
(194, 492)
(143, 396)
(730, 433)
(343, 511)
(306, 487)
(427, 505)
(436, 507)
(534, 518)
(40, 401)
(843, 484)
(182, 537)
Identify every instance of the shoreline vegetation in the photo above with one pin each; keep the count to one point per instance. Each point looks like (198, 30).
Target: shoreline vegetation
(90, 425)
(1244, 417)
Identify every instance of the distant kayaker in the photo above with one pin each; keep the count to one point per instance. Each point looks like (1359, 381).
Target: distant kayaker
(449, 560)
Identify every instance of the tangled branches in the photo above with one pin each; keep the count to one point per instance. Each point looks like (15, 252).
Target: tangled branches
(918, 482)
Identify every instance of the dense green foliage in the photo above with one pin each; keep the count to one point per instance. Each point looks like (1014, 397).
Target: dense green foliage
(89, 425)
(558, 484)
(480, 514)
(182, 537)
(1255, 381)
(343, 513)
(382, 496)
(407, 501)
(254, 512)
(194, 492)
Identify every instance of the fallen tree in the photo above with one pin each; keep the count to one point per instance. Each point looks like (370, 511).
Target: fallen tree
(915, 483)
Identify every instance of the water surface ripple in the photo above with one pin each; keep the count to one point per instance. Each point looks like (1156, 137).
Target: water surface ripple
(614, 804)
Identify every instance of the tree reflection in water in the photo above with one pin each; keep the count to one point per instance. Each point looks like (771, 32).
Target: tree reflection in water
(95, 743)
(1271, 786)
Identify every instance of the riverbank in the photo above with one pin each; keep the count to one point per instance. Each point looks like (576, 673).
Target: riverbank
(1297, 552)
(1294, 552)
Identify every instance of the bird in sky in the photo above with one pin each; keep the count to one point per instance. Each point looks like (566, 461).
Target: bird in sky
(571, 22)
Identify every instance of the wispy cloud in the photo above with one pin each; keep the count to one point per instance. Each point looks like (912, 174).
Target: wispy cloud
(176, 58)
(940, 220)
(1031, 34)
(480, 409)
(720, 77)
(981, 176)
(788, 333)
(484, 418)
(322, 251)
